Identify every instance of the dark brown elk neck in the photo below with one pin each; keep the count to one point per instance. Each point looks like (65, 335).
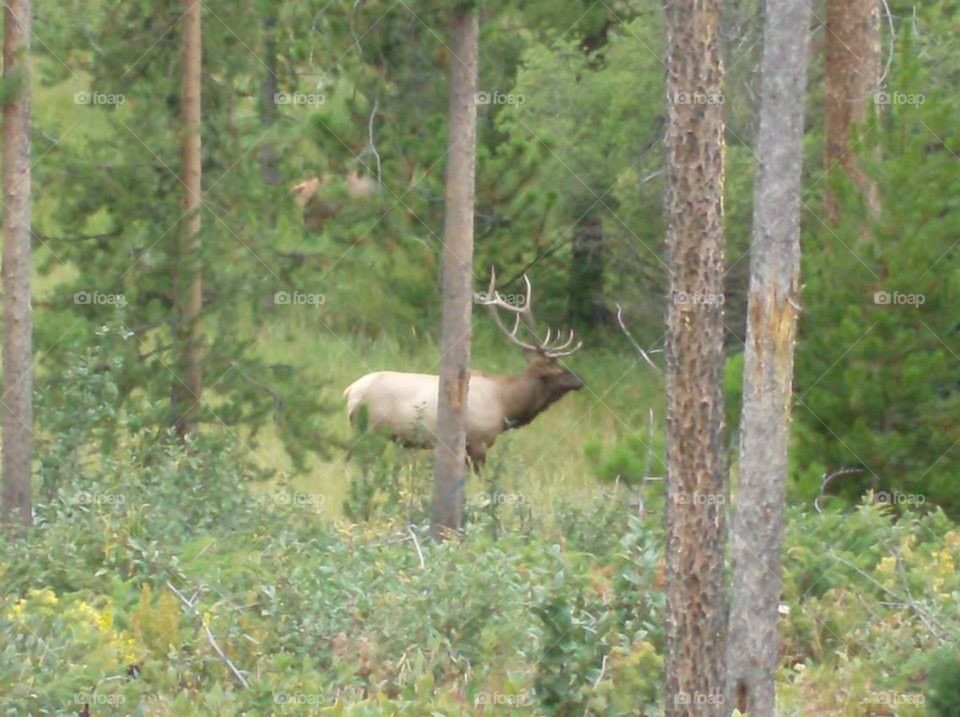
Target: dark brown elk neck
(523, 398)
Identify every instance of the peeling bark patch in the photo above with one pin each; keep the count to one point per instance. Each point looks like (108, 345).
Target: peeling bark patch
(457, 391)
(773, 322)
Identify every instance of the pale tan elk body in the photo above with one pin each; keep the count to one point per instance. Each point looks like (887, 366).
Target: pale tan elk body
(405, 404)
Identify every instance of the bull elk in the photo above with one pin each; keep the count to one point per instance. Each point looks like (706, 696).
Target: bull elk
(405, 404)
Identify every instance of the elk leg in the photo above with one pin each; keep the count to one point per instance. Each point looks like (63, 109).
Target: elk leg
(476, 456)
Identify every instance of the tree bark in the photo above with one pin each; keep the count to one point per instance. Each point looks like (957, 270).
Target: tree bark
(269, 169)
(586, 306)
(851, 82)
(696, 469)
(16, 496)
(450, 460)
(187, 389)
(758, 523)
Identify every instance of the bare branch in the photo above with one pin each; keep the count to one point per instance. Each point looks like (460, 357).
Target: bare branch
(893, 39)
(633, 341)
(827, 477)
(191, 606)
(416, 544)
(372, 146)
(935, 629)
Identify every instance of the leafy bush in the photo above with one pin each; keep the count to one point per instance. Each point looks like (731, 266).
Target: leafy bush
(133, 561)
(943, 685)
(171, 579)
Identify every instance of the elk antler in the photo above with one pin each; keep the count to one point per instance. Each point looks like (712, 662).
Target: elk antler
(494, 300)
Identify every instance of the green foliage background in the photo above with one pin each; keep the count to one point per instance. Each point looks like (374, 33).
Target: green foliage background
(553, 598)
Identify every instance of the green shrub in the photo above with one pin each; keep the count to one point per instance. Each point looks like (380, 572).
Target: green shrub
(148, 563)
(943, 685)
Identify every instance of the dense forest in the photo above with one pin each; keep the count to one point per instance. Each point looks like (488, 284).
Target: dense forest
(455, 357)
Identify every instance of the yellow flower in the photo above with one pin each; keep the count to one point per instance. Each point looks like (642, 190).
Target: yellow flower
(36, 600)
(16, 612)
(129, 650)
(105, 621)
(944, 563)
(44, 598)
(887, 566)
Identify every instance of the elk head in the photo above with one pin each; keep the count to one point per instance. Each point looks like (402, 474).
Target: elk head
(546, 379)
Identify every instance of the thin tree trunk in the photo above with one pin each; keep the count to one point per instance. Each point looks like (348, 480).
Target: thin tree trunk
(851, 82)
(450, 462)
(757, 535)
(269, 170)
(586, 306)
(17, 267)
(696, 468)
(189, 290)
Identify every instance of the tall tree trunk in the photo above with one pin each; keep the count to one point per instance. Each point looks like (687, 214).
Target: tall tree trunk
(696, 469)
(188, 387)
(450, 462)
(269, 161)
(269, 169)
(17, 266)
(586, 272)
(757, 535)
(851, 81)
